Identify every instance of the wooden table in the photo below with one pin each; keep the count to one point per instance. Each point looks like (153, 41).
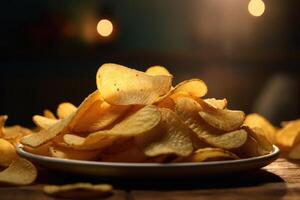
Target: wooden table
(279, 180)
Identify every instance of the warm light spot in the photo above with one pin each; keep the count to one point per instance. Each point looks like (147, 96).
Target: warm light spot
(256, 7)
(105, 27)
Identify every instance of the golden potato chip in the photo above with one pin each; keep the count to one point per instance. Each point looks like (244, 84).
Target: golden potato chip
(216, 103)
(188, 109)
(19, 172)
(173, 138)
(211, 154)
(79, 190)
(120, 85)
(64, 109)
(7, 153)
(295, 152)
(16, 131)
(43, 136)
(94, 114)
(255, 120)
(142, 121)
(47, 113)
(286, 136)
(222, 119)
(192, 87)
(37, 139)
(67, 153)
(3, 119)
(42, 150)
(264, 146)
(158, 70)
(43, 122)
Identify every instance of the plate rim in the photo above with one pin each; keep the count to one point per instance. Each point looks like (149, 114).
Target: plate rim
(273, 155)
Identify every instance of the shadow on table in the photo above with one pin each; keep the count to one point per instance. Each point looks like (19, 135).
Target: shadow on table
(247, 179)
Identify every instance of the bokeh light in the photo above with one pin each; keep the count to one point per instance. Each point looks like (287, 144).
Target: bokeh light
(105, 27)
(256, 7)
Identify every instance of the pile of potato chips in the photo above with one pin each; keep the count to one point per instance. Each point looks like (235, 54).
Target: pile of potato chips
(16, 171)
(137, 116)
(287, 138)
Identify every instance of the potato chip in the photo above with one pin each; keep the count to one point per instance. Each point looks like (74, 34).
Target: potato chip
(120, 85)
(255, 120)
(216, 103)
(43, 122)
(222, 119)
(264, 146)
(3, 119)
(295, 152)
(192, 87)
(142, 121)
(15, 132)
(100, 115)
(79, 190)
(47, 113)
(95, 114)
(286, 136)
(158, 70)
(211, 154)
(173, 138)
(67, 153)
(188, 109)
(37, 139)
(7, 153)
(65, 109)
(19, 172)
(42, 150)
(43, 136)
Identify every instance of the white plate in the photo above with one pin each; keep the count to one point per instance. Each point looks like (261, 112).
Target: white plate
(153, 170)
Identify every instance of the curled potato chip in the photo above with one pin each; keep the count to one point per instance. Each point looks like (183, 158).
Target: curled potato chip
(7, 153)
(3, 119)
(286, 136)
(78, 190)
(188, 109)
(264, 146)
(43, 136)
(173, 138)
(158, 70)
(255, 120)
(19, 172)
(142, 121)
(295, 152)
(40, 150)
(211, 154)
(95, 114)
(191, 87)
(15, 132)
(43, 122)
(67, 153)
(120, 85)
(216, 103)
(222, 119)
(47, 113)
(64, 109)
(37, 139)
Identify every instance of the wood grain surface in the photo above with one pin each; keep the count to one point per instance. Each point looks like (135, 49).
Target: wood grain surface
(279, 180)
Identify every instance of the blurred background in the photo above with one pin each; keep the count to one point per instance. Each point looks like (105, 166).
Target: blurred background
(246, 51)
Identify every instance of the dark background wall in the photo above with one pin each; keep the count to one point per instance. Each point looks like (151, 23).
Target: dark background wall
(50, 50)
